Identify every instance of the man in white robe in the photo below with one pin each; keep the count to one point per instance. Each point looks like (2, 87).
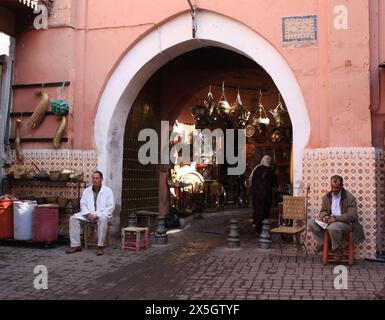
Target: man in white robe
(97, 205)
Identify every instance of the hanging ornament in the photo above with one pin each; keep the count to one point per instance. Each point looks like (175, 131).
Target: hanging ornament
(209, 103)
(224, 107)
(60, 109)
(260, 117)
(278, 111)
(239, 113)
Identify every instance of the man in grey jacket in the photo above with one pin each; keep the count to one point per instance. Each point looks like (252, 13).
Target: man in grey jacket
(339, 211)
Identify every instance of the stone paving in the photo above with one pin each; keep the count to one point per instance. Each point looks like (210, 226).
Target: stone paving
(196, 264)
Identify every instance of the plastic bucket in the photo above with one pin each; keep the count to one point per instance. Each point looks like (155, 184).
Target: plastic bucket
(45, 223)
(23, 212)
(6, 219)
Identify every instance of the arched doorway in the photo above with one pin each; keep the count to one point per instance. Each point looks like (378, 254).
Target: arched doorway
(174, 94)
(164, 44)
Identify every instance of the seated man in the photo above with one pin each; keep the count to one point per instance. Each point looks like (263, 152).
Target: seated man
(96, 205)
(339, 211)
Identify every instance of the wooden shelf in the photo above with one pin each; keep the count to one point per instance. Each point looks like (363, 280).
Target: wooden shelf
(41, 85)
(29, 113)
(12, 140)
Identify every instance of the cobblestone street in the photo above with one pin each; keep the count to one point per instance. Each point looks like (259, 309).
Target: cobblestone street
(195, 264)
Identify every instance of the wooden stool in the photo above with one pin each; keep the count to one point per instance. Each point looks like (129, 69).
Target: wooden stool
(90, 234)
(326, 254)
(147, 219)
(134, 238)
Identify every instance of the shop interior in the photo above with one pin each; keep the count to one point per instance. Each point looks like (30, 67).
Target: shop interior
(208, 88)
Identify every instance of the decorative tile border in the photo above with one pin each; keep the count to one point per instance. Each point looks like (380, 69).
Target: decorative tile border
(299, 30)
(380, 185)
(359, 167)
(48, 159)
(53, 160)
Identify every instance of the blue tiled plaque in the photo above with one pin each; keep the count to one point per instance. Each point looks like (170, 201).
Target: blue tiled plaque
(301, 29)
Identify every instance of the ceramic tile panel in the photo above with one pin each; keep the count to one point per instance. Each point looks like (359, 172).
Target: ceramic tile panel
(48, 159)
(363, 173)
(299, 30)
(57, 160)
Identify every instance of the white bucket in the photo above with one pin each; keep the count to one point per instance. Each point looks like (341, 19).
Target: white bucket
(23, 219)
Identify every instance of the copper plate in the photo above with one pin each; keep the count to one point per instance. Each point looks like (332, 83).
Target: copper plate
(277, 135)
(250, 130)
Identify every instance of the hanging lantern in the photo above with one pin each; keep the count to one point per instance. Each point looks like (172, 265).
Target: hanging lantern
(260, 117)
(209, 103)
(239, 113)
(223, 105)
(277, 111)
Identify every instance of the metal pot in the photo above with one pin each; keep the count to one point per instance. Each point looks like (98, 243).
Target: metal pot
(224, 107)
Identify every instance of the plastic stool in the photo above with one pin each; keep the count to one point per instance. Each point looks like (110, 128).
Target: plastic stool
(134, 238)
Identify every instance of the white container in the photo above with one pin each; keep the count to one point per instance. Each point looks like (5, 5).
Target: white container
(23, 219)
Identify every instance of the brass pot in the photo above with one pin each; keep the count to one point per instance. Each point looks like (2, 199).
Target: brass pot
(64, 176)
(224, 107)
(77, 177)
(54, 175)
(50, 199)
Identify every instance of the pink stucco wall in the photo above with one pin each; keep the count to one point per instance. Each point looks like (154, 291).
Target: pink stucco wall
(377, 76)
(86, 40)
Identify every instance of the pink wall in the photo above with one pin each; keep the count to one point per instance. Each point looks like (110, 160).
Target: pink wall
(88, 38)
(349, 78)
(377, 76)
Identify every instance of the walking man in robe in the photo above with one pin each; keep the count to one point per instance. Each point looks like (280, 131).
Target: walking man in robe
(263, 181)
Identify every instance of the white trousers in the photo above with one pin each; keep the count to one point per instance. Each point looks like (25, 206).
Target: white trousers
(74, 227)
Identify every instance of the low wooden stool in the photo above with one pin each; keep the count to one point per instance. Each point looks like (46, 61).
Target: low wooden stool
(147, 219)
(326, 255)
(90, 234)
(134, 238)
